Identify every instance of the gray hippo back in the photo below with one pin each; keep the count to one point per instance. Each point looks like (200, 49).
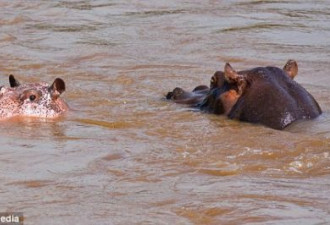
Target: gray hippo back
(32, 99)
(271, 97)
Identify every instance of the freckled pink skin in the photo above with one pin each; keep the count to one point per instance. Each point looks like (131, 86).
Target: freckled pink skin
(12, 104)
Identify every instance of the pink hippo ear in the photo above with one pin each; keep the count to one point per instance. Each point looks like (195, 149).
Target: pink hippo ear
(291, 68)
(13, 82)
(57, 88)
(232, 77)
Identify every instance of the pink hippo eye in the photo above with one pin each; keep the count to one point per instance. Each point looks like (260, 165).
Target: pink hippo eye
(30, 95)
(32, 98)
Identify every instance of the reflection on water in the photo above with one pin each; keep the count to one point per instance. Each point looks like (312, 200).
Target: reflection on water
(125, 155)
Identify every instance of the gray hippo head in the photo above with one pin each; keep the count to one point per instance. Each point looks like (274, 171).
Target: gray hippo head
(265, 95)
(32, 99)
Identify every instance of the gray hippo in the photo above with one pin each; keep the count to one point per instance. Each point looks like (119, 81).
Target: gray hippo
(32, 99)
(263, 95)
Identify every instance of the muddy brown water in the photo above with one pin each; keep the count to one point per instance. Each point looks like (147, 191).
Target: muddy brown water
(126, 156)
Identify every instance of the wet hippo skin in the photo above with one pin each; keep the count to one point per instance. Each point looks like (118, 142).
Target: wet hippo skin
(263, 95)
(32, 99)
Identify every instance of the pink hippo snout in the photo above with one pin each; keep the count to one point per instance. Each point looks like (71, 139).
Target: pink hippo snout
(32, 99)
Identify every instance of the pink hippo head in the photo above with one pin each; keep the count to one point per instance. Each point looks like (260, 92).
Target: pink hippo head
(32, 99)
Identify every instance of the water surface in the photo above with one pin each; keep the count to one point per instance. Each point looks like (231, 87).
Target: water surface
(124, 155)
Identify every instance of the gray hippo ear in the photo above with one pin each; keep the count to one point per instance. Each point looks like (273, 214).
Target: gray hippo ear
(57, 88)
(13, 82)
(291, 68)
(232, 77)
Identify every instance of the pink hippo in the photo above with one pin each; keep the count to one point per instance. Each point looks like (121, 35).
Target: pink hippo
(32, 99)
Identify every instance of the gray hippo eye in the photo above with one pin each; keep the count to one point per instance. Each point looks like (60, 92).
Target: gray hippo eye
(32, 98)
